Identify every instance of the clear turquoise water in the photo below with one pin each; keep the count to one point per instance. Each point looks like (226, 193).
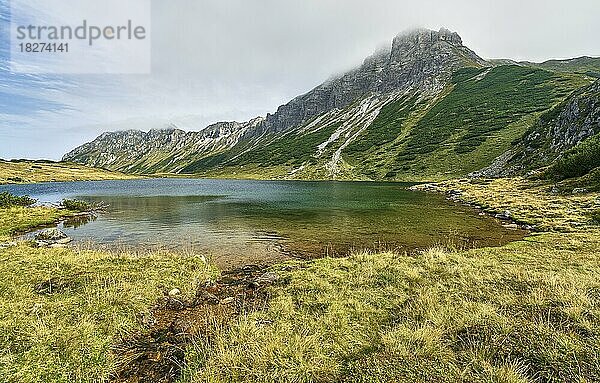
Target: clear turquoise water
(238, 217)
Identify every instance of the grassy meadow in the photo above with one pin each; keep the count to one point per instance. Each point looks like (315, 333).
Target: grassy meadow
(62, 310)
(25, 171)
(525, 312)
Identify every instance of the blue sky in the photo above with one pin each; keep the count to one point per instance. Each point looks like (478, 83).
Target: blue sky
(216, 60)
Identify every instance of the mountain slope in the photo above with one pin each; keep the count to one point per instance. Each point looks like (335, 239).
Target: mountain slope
(555, 133)
(419, 61)
(427, 107)
(584, 65)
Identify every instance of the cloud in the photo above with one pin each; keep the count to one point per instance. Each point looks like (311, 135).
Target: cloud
(232, 60)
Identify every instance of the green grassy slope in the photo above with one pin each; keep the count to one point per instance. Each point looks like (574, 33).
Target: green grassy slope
(583, 65)
(416, 137)
(476, 121)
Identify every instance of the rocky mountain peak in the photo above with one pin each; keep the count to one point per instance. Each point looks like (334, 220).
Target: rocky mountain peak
(419, 62)
(427, 37)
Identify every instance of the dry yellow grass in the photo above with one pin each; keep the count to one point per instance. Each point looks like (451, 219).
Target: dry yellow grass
(528, 202)
(47, 171)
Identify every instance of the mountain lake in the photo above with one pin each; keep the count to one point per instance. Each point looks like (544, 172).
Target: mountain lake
(241, 221)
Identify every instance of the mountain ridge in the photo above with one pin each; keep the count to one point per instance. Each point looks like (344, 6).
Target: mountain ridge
(393, 117)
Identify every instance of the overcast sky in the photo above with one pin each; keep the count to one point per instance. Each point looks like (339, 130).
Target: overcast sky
(215, 60)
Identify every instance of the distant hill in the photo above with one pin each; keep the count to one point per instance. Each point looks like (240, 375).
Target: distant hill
(25, 171)
(584, 65)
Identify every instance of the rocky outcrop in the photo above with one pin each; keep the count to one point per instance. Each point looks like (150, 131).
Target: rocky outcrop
(420, 59)
(164, 150)
(559, 130)
(52, 237)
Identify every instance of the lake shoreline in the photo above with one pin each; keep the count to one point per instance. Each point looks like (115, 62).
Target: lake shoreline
(171, 300)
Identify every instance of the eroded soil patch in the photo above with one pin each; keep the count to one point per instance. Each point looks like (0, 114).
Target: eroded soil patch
(156, 353)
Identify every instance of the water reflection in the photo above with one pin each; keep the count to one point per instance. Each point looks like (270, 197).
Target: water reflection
(261, 217)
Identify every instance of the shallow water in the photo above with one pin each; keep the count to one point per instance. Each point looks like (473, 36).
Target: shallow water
(243, 218)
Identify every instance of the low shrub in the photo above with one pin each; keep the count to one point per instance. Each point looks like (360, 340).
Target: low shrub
(596, 216)
(8, 200)
(75, 205)
(579, 160)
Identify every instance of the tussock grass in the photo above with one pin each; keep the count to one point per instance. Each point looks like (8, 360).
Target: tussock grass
(527, 311)
(61, 310)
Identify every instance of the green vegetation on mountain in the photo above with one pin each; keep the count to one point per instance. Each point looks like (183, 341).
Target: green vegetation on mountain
(578, 161)
(466, 129)
(482, 102)
(427, 108)
(386, 128)
(293, 150)
(589, 66)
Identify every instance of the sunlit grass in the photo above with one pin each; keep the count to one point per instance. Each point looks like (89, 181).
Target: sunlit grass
(45, 171)
(18, 219)
(526, 311)
(61, 310)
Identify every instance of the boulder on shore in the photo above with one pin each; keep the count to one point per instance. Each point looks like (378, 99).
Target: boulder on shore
(52, 237)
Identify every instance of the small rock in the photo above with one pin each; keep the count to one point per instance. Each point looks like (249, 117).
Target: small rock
(227, 301)
(5, 245)
(50, 235)
(63, 241)
(512, 226)
(267, 278)
(203, 296)
(579, 191)
(174, 292)
(505, 216)
(42, 243)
